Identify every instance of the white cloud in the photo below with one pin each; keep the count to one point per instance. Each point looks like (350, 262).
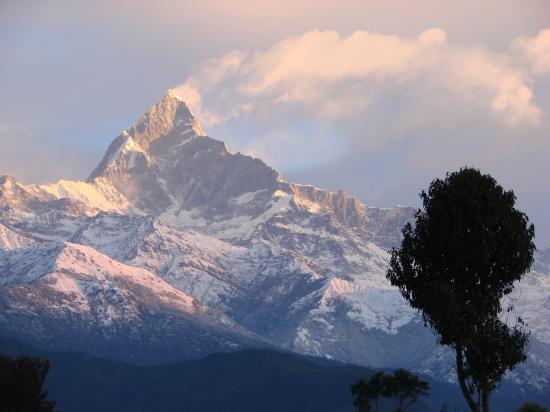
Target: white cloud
(536, 50)
(432, 36)
(331, 76)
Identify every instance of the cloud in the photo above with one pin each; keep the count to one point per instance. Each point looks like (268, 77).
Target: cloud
(432, 36)
(536, 50)
(333, 76)
(381, 115)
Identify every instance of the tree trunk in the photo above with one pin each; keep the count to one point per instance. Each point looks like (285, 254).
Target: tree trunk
(486, 394)
(461, 380)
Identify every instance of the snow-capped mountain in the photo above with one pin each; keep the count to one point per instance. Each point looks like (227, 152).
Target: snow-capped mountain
(55, 211)
(71, 297)
(303, 268)
(169, 168)
(292, 300)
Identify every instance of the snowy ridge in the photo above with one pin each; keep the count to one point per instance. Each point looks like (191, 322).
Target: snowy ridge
(209, 269)
(11, 239)
(99, 195)
(39, 215)
(263, 283)
(68, 264)
(531, 299)
(70, 291)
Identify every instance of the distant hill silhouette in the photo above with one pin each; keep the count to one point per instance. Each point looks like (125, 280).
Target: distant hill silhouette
(245, 381)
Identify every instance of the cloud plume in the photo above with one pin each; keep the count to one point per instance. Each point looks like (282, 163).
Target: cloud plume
(334, 76)
(536, 50)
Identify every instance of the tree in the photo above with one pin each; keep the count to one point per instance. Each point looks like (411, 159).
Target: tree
(531, 407)
(468, 246)
(406, 387)
(402, 385)
(365, 392)
(21, 385)
(363, 396)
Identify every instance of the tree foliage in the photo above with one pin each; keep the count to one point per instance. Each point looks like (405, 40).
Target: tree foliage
(21, 385)
(406, 387)
(532, 407)
(467, 247)
(402, 385)
(364, 395)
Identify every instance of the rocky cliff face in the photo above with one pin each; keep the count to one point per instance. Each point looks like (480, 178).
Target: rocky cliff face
(302, 267)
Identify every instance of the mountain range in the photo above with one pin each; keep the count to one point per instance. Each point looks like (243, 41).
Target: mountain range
(175, 247)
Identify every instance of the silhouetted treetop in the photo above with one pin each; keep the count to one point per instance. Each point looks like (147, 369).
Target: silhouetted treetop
(21, 385)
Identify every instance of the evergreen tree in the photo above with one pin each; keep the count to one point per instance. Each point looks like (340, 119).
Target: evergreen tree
(467, 247)
(21, 385)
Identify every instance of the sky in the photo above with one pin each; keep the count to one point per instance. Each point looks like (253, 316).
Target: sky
(375, 98)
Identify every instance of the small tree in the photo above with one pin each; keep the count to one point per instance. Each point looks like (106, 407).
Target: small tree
(465, 251)
(21, 385)
(377, 385)
(402, 385)
(365, 393)
(363, 396)
(532, 407)
(406, 387)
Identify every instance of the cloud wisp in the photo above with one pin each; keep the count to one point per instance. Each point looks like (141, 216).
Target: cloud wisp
(331, 76)
(536, 50)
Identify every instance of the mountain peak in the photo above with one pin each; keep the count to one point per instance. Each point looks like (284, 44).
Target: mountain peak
(9, 186)
(7, 181)
(164, 126)
(170, 116)
(172, 95)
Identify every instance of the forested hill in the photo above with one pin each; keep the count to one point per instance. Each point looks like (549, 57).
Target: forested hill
(245, 381)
